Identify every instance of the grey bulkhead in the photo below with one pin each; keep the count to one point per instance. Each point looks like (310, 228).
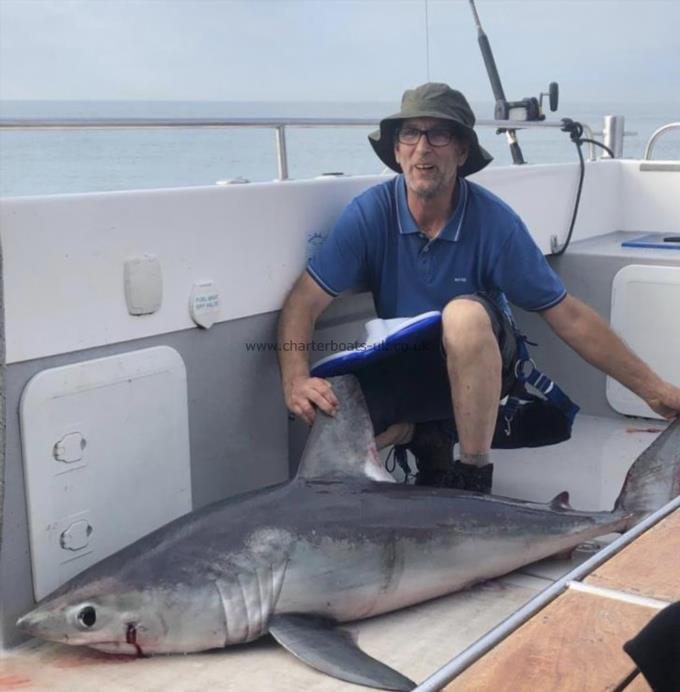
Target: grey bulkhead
(231, 450)
(239, 427)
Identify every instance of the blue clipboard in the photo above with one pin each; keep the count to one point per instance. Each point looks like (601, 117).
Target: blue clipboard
(657, 241)
(384, 338)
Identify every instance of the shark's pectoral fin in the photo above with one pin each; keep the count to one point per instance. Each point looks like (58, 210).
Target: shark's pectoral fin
(317, 642)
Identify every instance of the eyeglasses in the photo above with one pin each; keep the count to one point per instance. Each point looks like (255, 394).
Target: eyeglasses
(437, 136)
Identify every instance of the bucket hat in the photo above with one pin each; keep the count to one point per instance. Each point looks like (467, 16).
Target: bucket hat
(432, 100)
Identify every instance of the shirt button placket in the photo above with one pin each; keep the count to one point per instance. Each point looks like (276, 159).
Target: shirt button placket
(426, 262)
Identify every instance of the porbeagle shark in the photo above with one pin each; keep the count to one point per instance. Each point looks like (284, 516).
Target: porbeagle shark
(340, 542)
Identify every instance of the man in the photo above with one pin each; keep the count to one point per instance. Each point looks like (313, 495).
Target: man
(431, 240)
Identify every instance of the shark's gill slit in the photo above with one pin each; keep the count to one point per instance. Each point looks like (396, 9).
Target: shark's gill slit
(222, 597)
(244, 597)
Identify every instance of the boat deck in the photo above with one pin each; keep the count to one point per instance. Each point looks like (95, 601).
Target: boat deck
(417, 640)
(575, 643)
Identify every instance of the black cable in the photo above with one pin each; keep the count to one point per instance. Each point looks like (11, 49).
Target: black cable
(583, 140)
(627, 680)
(391, 460)
(575, 130)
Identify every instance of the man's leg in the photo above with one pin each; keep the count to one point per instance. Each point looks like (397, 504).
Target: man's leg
(395, 434)
(406, 390)
(474, 365)
(415, 387)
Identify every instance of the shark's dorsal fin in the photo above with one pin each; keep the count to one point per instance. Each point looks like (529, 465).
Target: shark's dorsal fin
(343, 445)
(561, 502)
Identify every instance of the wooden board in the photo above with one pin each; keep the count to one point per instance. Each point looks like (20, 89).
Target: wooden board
(649, 566)
(572, 645)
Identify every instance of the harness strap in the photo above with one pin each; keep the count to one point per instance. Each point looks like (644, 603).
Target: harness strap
(527, 373)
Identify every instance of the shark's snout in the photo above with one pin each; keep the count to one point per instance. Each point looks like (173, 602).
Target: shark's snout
(28, 623)
(44, 624)
(24, 621)
(40, 623)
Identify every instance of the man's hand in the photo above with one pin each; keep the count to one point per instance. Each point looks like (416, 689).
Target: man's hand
(303, 305)
(666, 401)
(304, 393)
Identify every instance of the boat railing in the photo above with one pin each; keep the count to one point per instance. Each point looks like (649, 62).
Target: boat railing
(656, 136)
(280, 127)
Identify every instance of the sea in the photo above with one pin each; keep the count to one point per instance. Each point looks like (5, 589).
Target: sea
(47, 162)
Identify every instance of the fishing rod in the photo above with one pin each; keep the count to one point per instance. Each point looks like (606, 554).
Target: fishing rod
(530, 108)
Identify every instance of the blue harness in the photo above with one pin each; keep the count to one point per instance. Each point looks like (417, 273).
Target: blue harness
(531, 387)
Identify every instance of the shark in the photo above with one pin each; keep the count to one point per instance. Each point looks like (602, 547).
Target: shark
(341, 541)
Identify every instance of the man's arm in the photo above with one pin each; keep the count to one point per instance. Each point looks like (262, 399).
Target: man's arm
(591, 337)
(305, 302)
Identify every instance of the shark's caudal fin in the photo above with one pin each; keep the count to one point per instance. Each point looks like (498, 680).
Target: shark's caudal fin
(343, 445)
(654, 478)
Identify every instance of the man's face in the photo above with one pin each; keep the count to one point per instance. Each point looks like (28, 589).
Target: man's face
(429, 170)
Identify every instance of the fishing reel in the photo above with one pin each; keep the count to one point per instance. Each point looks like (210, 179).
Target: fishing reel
(528, 109)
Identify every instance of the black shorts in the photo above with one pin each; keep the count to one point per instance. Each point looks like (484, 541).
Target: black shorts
(413, 386)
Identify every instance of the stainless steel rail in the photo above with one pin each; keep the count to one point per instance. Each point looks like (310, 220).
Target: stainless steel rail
(279, 125)
(655, 138)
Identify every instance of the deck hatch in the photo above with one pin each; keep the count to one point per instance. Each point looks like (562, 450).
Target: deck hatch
(645, 309)
(106, 458)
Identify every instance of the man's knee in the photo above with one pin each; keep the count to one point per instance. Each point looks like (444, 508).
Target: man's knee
(467, 329)
(466, 325)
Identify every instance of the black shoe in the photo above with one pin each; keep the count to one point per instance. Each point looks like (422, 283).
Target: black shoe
(459, 476)
(432, 446)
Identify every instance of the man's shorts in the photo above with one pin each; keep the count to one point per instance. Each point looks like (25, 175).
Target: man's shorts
(413, 386)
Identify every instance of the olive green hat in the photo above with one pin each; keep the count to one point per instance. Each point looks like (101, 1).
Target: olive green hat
(432, 100)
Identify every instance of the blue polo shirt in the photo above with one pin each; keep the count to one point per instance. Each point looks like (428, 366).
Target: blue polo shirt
(484, 247)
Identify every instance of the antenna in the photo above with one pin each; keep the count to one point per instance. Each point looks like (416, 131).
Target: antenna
(427, 41)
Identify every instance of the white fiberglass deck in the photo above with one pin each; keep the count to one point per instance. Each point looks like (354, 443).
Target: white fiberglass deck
(416, 641)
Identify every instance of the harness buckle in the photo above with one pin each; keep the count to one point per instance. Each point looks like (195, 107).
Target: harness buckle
(524, 368)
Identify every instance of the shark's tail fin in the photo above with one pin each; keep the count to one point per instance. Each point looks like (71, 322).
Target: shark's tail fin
(343, 445)
(654, 478)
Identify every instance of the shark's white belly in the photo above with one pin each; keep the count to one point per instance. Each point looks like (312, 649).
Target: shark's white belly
(352, 579)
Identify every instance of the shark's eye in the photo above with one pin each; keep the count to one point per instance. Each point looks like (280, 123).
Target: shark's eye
(87, 616)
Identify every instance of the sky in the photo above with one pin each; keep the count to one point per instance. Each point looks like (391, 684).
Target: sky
(335, 50)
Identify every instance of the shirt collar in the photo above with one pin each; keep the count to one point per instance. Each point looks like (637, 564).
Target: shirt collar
(453, 227)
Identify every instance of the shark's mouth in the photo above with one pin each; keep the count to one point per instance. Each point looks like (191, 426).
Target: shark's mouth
(117, 648)
(129, 647)
(131, 638)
